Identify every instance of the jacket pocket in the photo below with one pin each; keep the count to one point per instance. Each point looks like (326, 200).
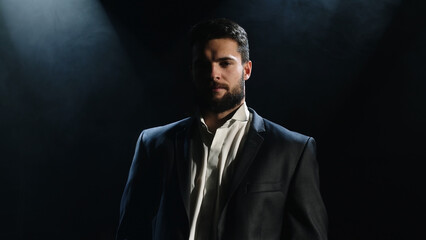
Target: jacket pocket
(264, 187)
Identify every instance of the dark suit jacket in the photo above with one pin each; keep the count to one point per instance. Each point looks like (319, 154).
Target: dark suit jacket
(273, 193)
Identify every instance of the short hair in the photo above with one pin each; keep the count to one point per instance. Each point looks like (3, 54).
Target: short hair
(205, 31)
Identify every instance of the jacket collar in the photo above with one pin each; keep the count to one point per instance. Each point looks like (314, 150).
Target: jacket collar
(183, 163)
(258, 124)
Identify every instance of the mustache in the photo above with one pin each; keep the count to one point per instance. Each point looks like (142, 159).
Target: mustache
(218, 85)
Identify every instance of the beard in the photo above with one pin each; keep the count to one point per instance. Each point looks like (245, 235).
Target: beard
(228, 101)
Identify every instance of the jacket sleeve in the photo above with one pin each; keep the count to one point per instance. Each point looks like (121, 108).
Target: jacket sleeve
(305, 215)
(140, 197)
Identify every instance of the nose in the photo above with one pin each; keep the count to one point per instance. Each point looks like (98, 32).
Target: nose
(215, 72)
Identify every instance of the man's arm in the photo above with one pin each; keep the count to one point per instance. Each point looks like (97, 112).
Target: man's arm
(140, 197)
(305, 215)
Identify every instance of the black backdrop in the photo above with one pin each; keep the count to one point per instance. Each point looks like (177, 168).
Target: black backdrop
(80, 79)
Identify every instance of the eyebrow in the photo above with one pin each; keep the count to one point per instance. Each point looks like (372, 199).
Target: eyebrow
(226, 58)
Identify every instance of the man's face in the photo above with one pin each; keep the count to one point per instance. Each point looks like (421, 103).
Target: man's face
(219, 74)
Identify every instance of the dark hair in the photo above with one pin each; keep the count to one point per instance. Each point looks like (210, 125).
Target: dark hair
(205, 31)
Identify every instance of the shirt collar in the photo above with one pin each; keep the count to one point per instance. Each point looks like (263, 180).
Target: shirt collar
(242, 115)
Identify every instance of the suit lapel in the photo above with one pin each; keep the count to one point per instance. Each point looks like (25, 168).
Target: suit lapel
(249, 151)
(183, 163)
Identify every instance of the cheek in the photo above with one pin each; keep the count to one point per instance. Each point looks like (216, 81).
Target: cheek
(235, 74)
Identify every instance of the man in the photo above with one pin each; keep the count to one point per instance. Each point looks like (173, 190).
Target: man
(226, 172)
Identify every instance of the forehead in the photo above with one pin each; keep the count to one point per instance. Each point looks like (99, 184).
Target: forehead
(216, 48)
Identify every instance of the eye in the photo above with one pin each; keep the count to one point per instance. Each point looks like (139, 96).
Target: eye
(224, 64)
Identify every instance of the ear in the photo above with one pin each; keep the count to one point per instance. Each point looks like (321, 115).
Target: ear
(247, 69)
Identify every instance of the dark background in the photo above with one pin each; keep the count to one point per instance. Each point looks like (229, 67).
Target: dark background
(80, 79)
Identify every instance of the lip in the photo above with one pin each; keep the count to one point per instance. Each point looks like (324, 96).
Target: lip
(217, 88)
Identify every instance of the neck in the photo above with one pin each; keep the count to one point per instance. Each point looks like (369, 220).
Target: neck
(214, 120)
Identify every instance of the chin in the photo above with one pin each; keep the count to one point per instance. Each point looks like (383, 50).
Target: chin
(217, 98)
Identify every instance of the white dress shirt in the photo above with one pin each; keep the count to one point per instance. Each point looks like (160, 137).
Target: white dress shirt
(211, 155)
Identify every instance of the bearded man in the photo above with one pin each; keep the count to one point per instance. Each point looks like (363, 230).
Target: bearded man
(225, 172)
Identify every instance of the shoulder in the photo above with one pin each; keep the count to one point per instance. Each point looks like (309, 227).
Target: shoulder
(280, 139)
(276, 132)
(165, 132)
